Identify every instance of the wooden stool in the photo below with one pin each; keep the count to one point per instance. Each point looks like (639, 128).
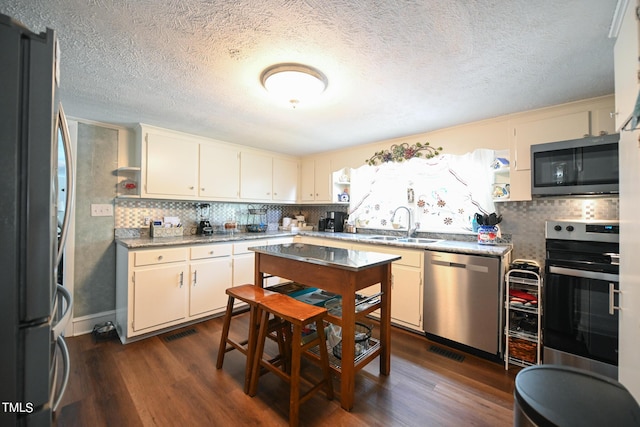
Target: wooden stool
(298, 314)
(252, 295)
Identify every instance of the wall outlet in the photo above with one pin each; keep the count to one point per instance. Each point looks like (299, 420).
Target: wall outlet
(101, 209)
(147, 220)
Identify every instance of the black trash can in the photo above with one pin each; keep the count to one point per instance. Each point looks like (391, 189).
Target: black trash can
(553, 395)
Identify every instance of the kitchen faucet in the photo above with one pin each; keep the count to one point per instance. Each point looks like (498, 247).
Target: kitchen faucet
(409, 230)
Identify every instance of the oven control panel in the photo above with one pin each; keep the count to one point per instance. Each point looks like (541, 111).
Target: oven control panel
(594, 231)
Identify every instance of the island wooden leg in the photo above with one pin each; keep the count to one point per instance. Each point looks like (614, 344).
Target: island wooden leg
(347, 377)
(385, 323)
(258, 276)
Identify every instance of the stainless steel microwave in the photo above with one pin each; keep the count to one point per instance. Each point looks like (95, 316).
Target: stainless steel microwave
(575, 167)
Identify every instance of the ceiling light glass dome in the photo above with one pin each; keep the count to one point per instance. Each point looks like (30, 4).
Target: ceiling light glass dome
(294, 83)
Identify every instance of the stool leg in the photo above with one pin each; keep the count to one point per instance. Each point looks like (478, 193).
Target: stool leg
(259, 349)
(284, 346)
(294, 383)
(225, 333)
(254, 316)
(324, 359)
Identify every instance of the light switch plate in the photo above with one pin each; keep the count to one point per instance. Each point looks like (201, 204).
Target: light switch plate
(101, 209)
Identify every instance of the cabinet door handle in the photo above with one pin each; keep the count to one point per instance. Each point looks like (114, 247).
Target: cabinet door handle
(181, 278)
(160, 257)
(202, 189)
(195, 277)
(191, 188)
(612, 292)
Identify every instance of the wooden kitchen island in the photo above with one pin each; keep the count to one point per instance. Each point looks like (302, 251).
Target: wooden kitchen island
(343, 272)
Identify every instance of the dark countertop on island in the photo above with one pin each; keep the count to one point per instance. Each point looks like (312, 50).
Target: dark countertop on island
(346, 259)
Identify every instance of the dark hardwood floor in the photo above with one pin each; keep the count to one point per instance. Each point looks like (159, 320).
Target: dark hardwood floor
(159, 382)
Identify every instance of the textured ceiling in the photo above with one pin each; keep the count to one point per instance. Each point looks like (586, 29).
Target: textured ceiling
(395, 68)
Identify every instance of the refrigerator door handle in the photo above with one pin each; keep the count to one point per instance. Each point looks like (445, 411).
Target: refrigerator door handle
(71, 180)
(60, 326)
(58, 392)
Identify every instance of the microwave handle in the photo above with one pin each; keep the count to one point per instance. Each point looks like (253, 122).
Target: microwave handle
(577, 160)
(612, 292)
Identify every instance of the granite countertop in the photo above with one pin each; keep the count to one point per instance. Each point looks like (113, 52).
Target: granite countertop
(327, 256)
(196, 239)
(443, 245)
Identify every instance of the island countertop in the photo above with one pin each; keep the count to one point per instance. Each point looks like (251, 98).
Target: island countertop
(353, 260)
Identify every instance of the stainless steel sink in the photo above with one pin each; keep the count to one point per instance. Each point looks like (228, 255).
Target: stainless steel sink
(416, 240)
(384, 238)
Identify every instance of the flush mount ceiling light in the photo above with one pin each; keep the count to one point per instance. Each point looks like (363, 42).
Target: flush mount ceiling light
(293, 83)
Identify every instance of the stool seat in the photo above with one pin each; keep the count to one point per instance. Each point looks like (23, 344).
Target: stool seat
(293, 310)
(251, 295)
(298, 315)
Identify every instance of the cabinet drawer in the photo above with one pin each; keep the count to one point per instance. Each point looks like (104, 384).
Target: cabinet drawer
(409, 258)
(160, 256)
(243, 247)
(210, 251)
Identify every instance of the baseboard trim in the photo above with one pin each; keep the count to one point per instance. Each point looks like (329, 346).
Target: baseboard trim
(84, 325)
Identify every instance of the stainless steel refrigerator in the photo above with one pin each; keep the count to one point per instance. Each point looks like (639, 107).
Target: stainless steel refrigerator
(34, 307)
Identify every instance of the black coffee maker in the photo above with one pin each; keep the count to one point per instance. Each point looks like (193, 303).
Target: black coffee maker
(204, 227)
(335, 222)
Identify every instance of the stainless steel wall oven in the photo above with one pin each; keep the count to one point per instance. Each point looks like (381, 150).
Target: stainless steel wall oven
(580, 314)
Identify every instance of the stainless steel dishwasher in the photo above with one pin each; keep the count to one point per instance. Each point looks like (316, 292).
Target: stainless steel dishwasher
(462, 299)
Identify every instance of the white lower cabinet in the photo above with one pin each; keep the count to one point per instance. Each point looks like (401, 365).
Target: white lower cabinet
(210, 275)
(159, 296)
(406, 285)
(157, 289)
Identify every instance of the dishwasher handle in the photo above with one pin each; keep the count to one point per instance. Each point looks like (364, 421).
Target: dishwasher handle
(473, 267)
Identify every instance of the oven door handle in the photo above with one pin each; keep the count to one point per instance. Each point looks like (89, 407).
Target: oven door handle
(596, 275)
(612, 292)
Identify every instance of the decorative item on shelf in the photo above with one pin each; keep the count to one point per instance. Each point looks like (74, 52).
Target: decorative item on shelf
(501, 191)
(500, 163)
(128, 186)
(344, 197)
(402, 152)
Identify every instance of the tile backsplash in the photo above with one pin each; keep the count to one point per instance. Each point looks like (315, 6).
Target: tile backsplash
(522, 221)
(131, 213)
(525, 221)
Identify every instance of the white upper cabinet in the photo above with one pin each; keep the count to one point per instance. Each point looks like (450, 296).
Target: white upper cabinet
(315, 180)
(256, 170)
(219, 172)
(170, 166)
(267, 178)
(285, 179)
(186, 167)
